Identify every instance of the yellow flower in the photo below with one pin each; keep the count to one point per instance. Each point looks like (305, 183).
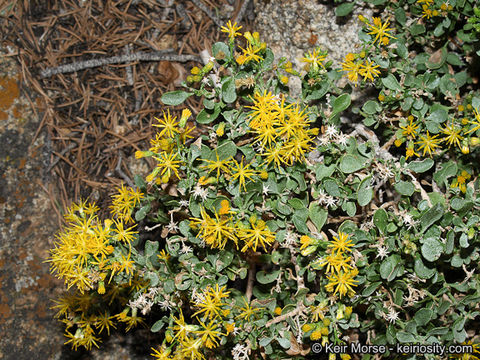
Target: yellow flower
(209, 334)
(247, 312)
(368, 71)
(163, 354)
(189, 349)
(475, 122)
(259, 234)
(410, 130)
(216, 232)
(353, 69)
(460, 181)
(167, 124)
(315, 59)
(241, 172)
(341, 243)
(426, 2)
(224, 207)
(231, 30)
(250, 53)
(316, 335)
(428, 143)
(409, 152)
(210, 303)
(166, 164)
(452, 134)
(217, 165)
(379, 30)
(124, 202)
(342, 282)
(427, 12)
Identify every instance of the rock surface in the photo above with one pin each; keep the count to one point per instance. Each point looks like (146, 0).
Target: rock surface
(291, 27)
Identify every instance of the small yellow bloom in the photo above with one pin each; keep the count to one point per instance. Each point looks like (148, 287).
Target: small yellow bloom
(231, 30)
(195, 70)
(278, 310)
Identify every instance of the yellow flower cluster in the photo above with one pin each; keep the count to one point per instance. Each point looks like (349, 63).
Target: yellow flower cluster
(217, 231)
(339, 266)
(254, 47)
(315, 59)
(164, 148)
(379, 29)
(281, 130)
(230, 168)
(75, 310)
(460, 181)
(188, 340)
(429, 11)
(452, 133)
(124, 202)
(355, 66)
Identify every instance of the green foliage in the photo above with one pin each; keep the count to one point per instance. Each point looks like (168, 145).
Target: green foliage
(271, 222)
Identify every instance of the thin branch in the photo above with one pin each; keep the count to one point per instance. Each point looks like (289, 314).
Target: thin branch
(298, 310)
(139, 56)
(183, 14)
(121, 173)
(242, 10)
(251, 280)
(419, 187)
(207, 11)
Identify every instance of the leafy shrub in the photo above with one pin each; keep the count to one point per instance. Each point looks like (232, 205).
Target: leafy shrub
(276, 222)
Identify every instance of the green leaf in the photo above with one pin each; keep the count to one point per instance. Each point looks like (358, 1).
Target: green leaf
(365, 192)
(267, 278)
(265, 341)
(423, 316)
(344, 9)
(269, 58)
(448, 170)
(299, 219)
(341, 103)
(370, 289)
(220, 50)
(229, 94)
(351, 163)
(476, 102)
(322, 171)
(439, 116)
(420, 166)
(206, 116)
(318, 215)
(176, 97)
(417, 29)
(437, 59)
(331, 187)
(431, 216)
(151, 247)
(371, 107)
(432, 249)
(405, 188)
(391, 82)
(142, 212)
(380, 220)
(169, 286)
(139, 182)
(297, 204)
(389, 267)
(350, 208)
(422, 271)
(159, 324)
(405, 337)
(225, 151)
